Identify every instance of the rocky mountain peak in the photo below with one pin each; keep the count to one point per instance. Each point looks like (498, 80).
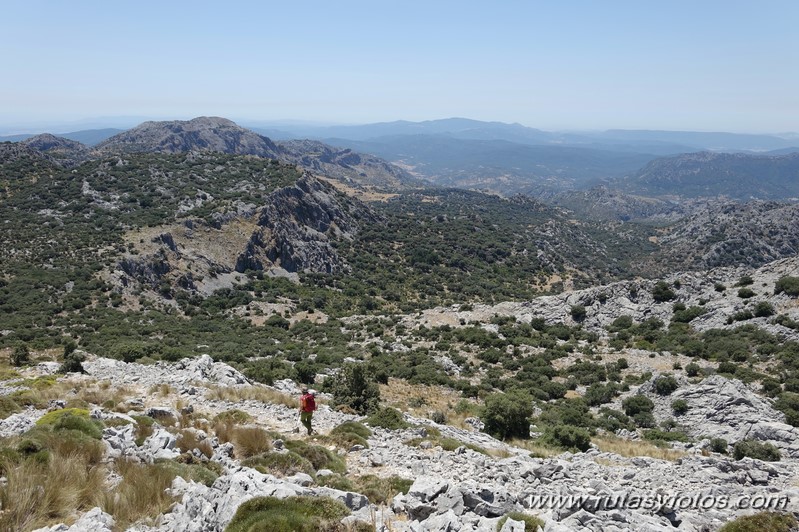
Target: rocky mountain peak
(198, 134)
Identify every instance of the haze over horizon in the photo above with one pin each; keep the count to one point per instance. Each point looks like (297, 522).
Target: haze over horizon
(712, 66)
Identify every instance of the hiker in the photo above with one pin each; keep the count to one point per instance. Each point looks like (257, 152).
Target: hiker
(307, 407)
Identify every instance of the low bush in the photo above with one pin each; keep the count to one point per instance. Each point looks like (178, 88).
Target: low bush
(52, 417)
(388, 418)
(318, 456)
(787, 284)
(196, 472)
(352, 427)
(762, 522)
(531, 522)
(746, 293)
(567, 437)
(679, 407)
(665, 435)
(285, 464)
(718, 445)
(756, 449)
(20, 356)
(665, 385)
(294, 514)
(637, 404)
(8, 406)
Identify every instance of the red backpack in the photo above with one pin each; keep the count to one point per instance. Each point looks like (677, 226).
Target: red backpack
(307, 403)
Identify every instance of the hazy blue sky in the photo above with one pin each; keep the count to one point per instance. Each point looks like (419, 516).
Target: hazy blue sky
(594, 64)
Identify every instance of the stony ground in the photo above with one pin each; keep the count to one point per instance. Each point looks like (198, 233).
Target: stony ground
(461, 489)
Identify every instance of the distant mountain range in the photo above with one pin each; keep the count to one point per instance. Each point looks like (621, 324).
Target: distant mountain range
(630, 167)
(220, 135)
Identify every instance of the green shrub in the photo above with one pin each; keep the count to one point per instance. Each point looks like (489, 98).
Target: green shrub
(8, 406)
(762, 522)
(788, 404)
(531, 522)
(662, 292)
(567, 437)
(52, 417)
(351, 433)
(755, 449)
(665, 435)
(381, 490)
(20, 356)
(764, 309)
(636, 404)
(692, 369)
(337, 482)
(196, 472)
(746, 293)
(388, 418)
(578, 312)
(679, 407)
(787, 284)
(599, 394)
(687, 315)
(275, 463)
(665, 385)
(80, 423)
(294, 514)
(318, 456)
(72, 363)
(745, 280)
(718, 445)
(508, 415)
(355, 389)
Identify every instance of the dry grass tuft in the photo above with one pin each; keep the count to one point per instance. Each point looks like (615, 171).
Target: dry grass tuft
(38, 492)
(421, 399)
(161, 390)
(140, 494)
(250, 441)
(251, 393)
(536, 449)
(630, 448)
(102, 394)
(189, 440)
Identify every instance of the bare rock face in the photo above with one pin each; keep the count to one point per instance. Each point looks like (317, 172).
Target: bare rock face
(297, 226)
(198, 134)
(727, 408)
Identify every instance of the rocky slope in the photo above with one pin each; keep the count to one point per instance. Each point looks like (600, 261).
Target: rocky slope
(724, 234)
(604, 304)
(604, 203)
(345, 165)
(459, 489)
(739, 176)
(292, 230)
